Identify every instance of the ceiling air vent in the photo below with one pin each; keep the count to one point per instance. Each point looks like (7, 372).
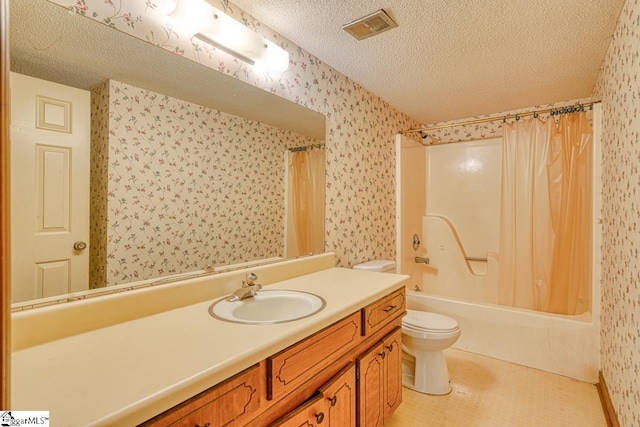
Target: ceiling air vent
(370, 25)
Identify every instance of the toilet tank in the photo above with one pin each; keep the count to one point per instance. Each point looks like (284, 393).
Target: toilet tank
(383, 266)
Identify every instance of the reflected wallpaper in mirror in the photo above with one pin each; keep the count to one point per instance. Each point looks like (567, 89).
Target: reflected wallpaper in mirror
(177, 183)
(179, 187)
(360, 126)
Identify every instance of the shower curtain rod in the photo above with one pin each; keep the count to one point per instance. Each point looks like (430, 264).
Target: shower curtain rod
(306, 147)
(517, 116)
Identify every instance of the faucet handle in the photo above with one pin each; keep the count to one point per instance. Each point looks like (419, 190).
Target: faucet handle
(251, 278)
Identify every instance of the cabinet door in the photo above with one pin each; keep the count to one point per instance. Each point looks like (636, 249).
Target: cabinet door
(370, 386)
(340, 397)
(392, 344)
(312, 413)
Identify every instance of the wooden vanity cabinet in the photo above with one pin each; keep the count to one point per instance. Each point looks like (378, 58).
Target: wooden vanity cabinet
(234, 402)
(340, 397)
(296, 365)
(379, 380)
(345, 375)
(309, 414)
(392, 385)
(378, 314)
(333, 406)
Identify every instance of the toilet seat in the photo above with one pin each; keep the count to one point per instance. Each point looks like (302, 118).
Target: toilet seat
(421, 321)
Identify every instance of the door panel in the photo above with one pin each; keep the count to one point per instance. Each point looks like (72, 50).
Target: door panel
(50, 149)
(52, 278)
(53, 181)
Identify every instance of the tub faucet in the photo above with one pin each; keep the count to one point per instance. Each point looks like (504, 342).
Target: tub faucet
(249, 288)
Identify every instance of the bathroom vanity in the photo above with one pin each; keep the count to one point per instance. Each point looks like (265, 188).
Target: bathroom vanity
(174, 364)
(347, 370)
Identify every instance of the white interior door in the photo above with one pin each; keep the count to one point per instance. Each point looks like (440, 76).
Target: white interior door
(50, 150)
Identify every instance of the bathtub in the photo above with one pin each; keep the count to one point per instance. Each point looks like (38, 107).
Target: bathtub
(565, 345)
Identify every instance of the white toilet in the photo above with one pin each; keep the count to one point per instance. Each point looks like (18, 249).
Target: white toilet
(424, 338)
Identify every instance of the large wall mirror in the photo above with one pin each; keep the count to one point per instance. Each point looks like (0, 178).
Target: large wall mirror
(131, 164)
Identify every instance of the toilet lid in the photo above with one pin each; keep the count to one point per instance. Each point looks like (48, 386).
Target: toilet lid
(423, 320)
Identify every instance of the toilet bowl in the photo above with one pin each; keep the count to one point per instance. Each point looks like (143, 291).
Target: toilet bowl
(424, 338)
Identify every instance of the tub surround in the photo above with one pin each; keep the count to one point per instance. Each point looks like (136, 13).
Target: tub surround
(136, 368)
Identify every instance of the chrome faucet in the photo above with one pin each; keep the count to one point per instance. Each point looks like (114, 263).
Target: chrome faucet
(248, 289)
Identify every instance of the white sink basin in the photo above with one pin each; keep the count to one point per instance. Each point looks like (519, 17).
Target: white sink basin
(268, 307)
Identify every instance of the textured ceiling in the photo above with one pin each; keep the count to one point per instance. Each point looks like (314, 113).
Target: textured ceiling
(451, 59)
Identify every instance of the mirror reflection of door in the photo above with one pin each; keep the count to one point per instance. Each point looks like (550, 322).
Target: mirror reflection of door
(50, 150)
(305, 200)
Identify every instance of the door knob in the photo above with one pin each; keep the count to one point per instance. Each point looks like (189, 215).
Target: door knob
(79, 246)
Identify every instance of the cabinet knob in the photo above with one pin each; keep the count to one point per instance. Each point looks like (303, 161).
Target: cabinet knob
(390, 348)
(320, 417)
(390, 308)
(206, 425)
(333, 400)
(382, 355)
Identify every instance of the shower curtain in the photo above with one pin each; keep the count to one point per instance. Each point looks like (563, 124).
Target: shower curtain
(545, 224)
(305, 206)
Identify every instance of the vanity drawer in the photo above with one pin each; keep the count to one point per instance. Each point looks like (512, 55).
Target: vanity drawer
(233, 402)
(297, 364)
(379, 313)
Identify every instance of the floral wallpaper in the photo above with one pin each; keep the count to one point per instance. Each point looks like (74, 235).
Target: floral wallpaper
(189, 187)
(619, 88)
(360, 148)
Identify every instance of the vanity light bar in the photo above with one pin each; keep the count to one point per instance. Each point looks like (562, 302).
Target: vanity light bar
(214, 27)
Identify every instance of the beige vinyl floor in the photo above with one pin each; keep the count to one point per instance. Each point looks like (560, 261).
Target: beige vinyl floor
(491, 392)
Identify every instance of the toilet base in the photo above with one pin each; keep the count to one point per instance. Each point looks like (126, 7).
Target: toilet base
(431, 375)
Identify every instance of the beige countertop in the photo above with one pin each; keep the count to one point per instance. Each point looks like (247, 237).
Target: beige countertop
(129, 372)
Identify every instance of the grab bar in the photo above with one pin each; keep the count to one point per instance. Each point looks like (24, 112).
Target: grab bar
(421, 260)
(473, 258)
